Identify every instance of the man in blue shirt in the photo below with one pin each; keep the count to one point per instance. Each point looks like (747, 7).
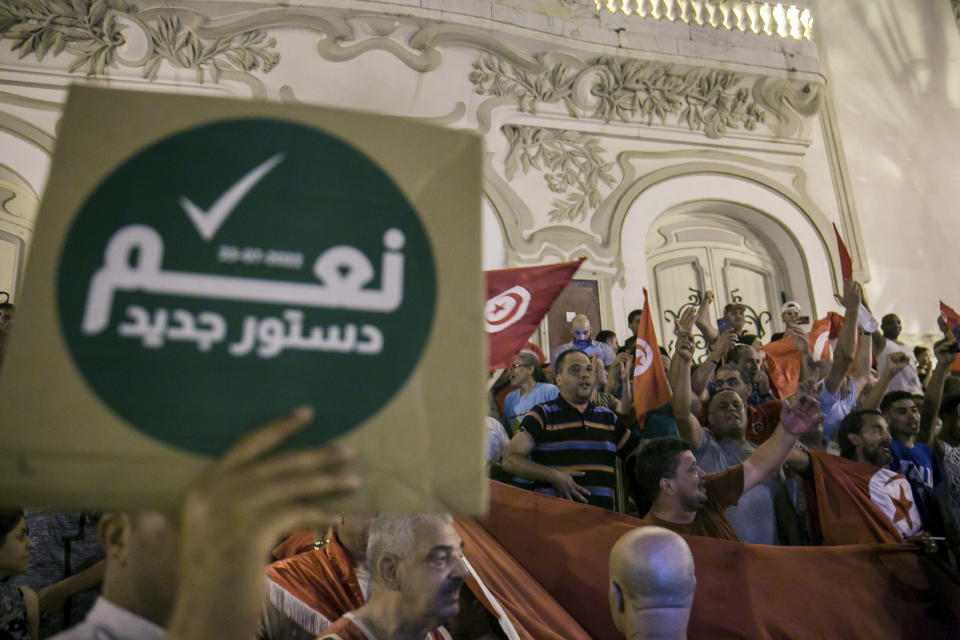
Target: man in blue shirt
(913, 459)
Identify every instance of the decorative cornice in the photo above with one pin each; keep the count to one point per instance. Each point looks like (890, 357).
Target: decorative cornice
(93, 32)
(571, 163)
(710, 100)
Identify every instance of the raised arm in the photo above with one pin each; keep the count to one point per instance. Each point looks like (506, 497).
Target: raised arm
(845, 352)
(795, 420)
(861, 363)
(930, 407)
(687, 424)
(801, 341)
(896, 361)
(704, 322)
(703, 374)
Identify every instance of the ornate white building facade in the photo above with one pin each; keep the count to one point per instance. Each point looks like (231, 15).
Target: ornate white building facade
(694, 146)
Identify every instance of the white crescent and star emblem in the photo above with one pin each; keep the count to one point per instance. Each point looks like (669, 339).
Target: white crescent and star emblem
(644, 357)
(506, 308)
(891, 493)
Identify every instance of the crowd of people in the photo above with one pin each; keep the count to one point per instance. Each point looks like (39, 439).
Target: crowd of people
(726, 457)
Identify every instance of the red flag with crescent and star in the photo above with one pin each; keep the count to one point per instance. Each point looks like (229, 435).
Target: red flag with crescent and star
(650, 388)
(851, 502)
(517, 300)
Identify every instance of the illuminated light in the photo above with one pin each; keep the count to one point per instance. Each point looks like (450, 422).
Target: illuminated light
(741, 12)
(655, 9)
(754, 15)
(727, 14)
(780, 15)
(806, 19)
(785, 21)
(793, 17)
(712, 13)
(697, 11)
(766, 14)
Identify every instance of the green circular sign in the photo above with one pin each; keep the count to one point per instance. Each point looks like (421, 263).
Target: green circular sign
(230, 273)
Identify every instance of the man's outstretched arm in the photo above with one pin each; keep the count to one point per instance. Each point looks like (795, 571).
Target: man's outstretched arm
(795, 420)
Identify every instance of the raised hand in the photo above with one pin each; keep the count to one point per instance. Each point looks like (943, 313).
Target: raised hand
(945, 352)
(897, 361)
(235, 512)
(799, 338)
(684, 349)
(851, 294)
(801, 416)
(687, 317)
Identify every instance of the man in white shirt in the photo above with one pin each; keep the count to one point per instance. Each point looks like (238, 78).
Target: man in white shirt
(884, 343)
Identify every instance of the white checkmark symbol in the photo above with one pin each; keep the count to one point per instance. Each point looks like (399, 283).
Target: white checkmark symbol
(209, 221)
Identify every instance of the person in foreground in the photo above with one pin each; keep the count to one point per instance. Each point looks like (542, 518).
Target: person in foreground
(200, 571)
(652, 582)
(417, 567)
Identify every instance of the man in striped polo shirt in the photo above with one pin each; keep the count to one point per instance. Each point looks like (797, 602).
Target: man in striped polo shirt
(572, 444)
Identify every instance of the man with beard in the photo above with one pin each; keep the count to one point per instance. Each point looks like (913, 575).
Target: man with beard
(572, 443)
(417, 566)
(582, 342)
(913, 459)
(746, 357)
(688, 501)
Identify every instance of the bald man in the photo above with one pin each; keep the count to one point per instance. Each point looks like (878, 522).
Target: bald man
(582, 341)
(651, 584)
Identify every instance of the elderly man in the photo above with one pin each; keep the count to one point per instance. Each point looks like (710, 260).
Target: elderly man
(686, 500)
(417, 567)
(229, 518)
(582, 342)
(573, 443)
(651, 584)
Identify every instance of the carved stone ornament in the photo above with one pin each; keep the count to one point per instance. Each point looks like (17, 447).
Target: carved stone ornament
(93, 32)
(571, 162)
(709, 100)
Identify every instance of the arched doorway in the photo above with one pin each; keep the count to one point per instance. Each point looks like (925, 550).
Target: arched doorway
(739, 253)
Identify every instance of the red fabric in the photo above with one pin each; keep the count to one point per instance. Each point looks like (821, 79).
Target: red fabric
(846, 265)
(297, 542)
(514, 588)
(743, 591)
(839, 504)
(823, 331)
(650, 388)
(951, 316)
(517, 300)
(323, 579)
(783, 366)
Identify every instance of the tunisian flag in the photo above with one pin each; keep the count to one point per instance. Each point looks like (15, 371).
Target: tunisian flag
(517, 300)
(783, 358)
(650, 388)
(852, 502)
